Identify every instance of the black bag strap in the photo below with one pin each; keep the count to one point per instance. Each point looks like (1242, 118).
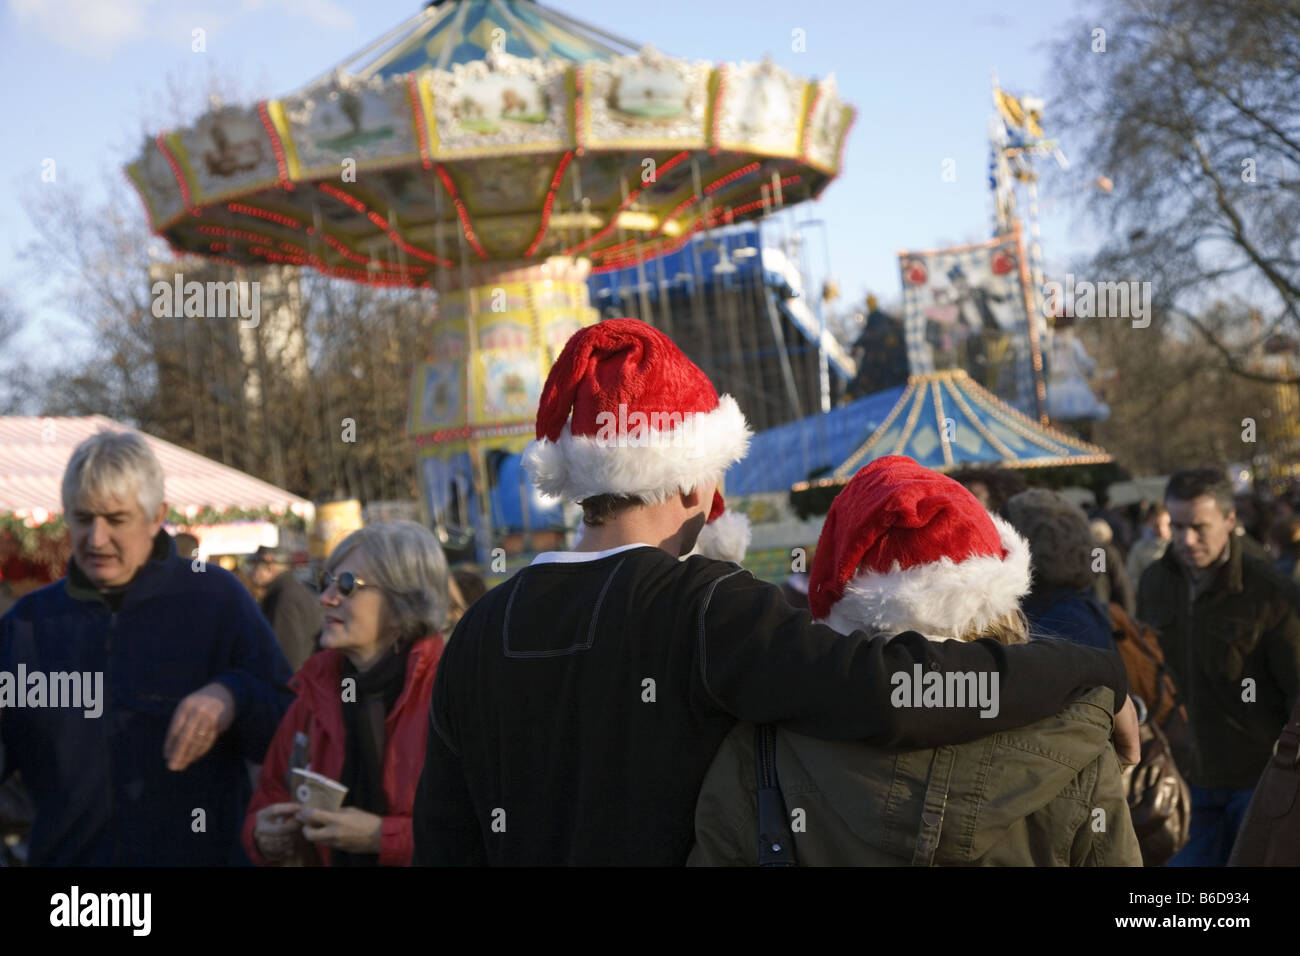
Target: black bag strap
(775, 842)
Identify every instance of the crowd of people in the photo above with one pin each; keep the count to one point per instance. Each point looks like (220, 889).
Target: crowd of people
(959, 679)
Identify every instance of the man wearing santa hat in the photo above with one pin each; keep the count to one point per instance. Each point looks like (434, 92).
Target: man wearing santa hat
(905, 548)
(579, 704)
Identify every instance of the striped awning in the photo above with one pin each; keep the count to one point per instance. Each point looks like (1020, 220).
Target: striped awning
(451, 32)
(942, 420)
(945, 419)
(34, 453)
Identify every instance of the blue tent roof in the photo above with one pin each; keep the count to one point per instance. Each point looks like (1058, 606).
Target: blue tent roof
(788, 454)
(940, 419)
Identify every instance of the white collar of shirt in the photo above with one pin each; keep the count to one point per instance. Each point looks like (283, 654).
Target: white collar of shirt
(575, 557)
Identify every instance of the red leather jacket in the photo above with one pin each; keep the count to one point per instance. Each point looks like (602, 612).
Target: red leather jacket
(318, 712)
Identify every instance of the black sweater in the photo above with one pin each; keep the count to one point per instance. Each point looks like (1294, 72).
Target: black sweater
(578, 706)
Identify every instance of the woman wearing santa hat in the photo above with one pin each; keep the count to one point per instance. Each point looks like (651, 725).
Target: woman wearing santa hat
(579, 704)
(905, 548)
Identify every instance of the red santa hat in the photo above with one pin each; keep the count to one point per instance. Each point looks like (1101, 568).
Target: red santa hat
(624, 412)
(905, 548)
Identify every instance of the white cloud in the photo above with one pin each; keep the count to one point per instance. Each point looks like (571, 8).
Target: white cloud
(325, 13)
(99, 27)
(94, 27)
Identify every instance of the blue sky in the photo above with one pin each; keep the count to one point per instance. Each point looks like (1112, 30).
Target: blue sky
(86, 78)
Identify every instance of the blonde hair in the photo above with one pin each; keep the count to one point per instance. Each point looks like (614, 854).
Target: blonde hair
(457, 607)
(1009, 628)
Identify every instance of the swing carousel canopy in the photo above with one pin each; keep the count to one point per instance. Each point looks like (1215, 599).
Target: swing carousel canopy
(491, 131)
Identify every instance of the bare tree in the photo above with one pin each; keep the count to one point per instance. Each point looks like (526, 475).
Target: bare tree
(1192, 109)
(269, 400)
(1172, 405)
(16, 375)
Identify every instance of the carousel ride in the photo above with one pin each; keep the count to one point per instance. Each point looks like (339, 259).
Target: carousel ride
(496, 151)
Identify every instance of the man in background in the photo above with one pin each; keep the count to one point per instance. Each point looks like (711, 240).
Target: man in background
(292, 609)
(187, 546)
(1152, 543)
(157, 679)
(1230, 632)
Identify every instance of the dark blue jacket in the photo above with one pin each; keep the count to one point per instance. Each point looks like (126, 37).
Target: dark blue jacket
(1077, 616)
(100, 786)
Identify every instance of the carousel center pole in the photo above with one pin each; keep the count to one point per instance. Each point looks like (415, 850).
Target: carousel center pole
(478, 467)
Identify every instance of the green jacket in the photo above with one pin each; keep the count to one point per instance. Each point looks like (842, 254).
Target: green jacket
(1245, 624)
(1049, 794)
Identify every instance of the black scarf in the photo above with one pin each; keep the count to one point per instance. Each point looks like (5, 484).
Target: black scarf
(81, 587)
(378, 688)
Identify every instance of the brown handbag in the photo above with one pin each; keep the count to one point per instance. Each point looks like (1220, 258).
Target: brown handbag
(1149, 678)
(1158, 798)
(1270, 831)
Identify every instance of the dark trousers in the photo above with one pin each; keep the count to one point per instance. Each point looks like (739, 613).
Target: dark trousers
(1216, 818)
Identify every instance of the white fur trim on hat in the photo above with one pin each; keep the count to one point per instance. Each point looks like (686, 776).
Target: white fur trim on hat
(942, 600)
(650, 465)
(725, 538)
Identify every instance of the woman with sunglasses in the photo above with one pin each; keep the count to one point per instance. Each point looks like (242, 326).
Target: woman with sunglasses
(362, 706)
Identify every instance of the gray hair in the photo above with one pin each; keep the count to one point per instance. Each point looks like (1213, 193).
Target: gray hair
(1060, 541)
(114, 465)
(404, 560)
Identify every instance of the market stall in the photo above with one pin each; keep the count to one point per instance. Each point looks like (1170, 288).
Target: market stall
(231, 513)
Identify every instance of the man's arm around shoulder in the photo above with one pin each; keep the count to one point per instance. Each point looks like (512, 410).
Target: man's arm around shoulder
(763, 661)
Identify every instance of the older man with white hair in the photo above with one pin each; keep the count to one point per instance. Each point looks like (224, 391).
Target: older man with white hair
(167, 679)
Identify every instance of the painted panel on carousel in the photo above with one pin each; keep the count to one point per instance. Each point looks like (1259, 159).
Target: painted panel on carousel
(504, 185)
(342, 118)
(827, 124)
(506, 297)
(451, 306)
(646, 100)
(505, 330)
(499, 104)
(760, 109)
(442, 397)
(228, 151)
(509, 385)
(506, 237)
(559, 325)
(602, 174)
(450, 338)
(409, 189)
(964, 307)
(157, 184)
(560, 295)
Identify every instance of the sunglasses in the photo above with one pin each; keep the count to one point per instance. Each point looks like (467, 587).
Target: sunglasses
(347, 582)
